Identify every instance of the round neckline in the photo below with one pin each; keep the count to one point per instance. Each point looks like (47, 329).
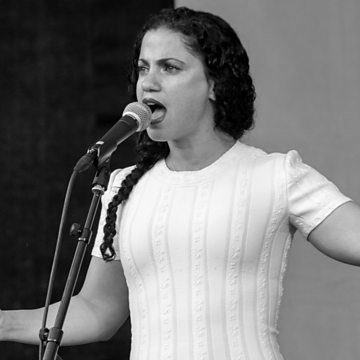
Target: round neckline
(186, 176)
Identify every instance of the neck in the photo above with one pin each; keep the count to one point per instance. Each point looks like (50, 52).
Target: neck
(190, 156)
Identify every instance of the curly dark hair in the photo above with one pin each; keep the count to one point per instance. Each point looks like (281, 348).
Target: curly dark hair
(226, 63)
(224, 57)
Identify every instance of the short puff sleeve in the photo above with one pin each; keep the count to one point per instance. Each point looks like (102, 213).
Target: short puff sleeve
(311, 196)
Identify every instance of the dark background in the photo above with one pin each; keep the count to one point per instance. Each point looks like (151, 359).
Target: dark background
(63, 84)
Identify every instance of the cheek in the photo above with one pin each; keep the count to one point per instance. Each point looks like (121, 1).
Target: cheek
(195, 98)
(138, 90)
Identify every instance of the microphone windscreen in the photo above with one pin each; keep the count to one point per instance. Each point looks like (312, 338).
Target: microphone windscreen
(141, 112)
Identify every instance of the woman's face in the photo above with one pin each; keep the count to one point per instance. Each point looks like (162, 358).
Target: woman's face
(172, 81)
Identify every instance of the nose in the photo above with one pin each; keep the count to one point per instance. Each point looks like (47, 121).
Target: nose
(150, 81)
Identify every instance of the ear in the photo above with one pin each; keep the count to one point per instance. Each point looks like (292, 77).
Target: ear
(212, 90)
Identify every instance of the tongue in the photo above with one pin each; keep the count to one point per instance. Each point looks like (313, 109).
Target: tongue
(158, 112)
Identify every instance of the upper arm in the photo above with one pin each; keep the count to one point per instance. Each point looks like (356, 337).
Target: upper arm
(338, 235)
(106, 292)
(317, 208)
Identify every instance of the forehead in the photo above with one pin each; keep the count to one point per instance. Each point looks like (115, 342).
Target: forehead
(164, 43)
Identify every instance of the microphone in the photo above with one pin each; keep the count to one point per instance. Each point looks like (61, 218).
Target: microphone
(136, 117)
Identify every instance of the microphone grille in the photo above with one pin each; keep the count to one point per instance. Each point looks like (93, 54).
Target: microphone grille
(141, 112)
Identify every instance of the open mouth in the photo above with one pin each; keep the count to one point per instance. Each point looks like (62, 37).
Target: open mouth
(157, 108)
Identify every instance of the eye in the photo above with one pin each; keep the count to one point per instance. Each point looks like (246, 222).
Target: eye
(170, 68)
(141, 68)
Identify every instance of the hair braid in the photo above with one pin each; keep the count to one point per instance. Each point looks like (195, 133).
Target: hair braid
(149, 152)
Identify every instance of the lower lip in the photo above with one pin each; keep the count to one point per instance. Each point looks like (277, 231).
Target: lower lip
(155, 122)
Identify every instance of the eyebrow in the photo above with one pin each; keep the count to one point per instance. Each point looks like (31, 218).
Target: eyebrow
(162, 61)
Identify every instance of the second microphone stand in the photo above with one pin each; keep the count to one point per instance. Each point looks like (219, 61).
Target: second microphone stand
(54, 336)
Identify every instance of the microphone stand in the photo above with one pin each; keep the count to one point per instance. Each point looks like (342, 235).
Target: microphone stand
(54, 336)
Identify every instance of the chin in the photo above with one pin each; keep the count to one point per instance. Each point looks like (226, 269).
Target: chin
(155, 135)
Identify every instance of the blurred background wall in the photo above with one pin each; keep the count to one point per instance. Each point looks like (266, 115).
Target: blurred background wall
(63, 83)
(305, 60)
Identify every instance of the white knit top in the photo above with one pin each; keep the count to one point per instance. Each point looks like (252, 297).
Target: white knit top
(204, 252)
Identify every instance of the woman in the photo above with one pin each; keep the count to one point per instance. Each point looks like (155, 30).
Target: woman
(202, 223)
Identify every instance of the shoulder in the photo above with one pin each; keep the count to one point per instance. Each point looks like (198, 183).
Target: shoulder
(116, 178)
(118, 175)
(258, 156)
(285, 168)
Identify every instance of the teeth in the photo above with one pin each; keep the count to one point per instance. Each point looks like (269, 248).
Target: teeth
(150, 102)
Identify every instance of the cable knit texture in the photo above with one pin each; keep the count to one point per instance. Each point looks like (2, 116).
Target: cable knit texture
(204, 252)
